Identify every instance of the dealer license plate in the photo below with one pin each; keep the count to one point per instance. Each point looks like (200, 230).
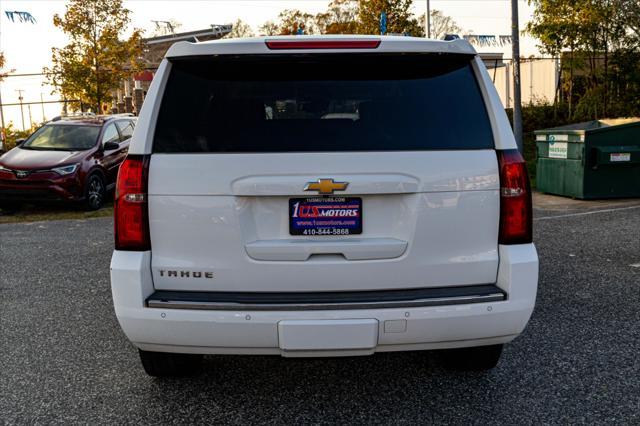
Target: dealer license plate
(325, 216)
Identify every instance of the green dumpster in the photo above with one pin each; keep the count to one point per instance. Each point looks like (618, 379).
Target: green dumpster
(594, 159)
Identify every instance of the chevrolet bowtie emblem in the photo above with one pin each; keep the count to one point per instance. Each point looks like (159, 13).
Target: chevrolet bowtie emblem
(326, 186)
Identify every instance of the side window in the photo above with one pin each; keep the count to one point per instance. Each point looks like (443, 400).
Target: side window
(110, 134)
(126, 129)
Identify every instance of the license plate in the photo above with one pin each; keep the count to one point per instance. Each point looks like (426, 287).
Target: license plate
(620, 156)
(325, 216)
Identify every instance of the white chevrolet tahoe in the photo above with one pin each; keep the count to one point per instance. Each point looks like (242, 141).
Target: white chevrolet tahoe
(322, 196)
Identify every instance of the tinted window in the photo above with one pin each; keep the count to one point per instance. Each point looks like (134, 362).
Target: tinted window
(354, 102)
(110, 134)
(63, 137)
(126, 129)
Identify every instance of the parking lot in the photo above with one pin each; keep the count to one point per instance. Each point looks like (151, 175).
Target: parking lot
(64, 359)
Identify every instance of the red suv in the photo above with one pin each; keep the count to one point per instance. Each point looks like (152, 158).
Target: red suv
(70, 159)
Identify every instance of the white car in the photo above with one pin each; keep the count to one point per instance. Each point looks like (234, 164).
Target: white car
(246, 222)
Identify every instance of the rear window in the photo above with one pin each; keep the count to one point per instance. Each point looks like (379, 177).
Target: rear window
(322, 102)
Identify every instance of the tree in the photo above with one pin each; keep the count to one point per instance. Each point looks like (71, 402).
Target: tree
(400, 20)
(556, 24)
(601, 39)
(441, 24)
(341, 17)
(349, 17)
(96, 60)
(631, 12)
(294, 21)
(240, 29)
(2, 62)
(269, 28)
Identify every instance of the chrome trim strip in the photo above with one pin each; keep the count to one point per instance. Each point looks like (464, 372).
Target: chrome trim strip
(224, 306)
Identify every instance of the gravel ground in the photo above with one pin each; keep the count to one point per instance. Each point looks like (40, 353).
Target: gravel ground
(63, 358)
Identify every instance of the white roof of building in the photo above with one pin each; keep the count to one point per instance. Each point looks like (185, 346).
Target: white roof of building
(257, 45)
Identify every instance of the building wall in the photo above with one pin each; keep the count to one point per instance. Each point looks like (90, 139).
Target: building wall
(538, 80)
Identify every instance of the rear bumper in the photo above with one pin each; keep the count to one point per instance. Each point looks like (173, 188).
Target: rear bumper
(309, 332)
(325, 301)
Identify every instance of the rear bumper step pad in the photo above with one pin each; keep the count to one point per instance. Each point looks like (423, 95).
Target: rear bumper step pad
(440, 296)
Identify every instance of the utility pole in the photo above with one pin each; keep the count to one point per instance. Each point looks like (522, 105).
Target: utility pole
(30, 117)
(428, 20)
(3, 130)
(20, 98)
(517, 101)
(42, 105)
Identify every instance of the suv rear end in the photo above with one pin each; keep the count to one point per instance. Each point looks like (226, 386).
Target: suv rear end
(322, 197)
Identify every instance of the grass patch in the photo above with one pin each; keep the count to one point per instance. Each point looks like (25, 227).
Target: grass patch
(38, 213)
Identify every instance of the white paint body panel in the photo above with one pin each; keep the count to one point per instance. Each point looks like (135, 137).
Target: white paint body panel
(256, 332)
(318, 335)
(430, 220)
(392, 172)
(351, 249)
(502, 133)
(257, 45)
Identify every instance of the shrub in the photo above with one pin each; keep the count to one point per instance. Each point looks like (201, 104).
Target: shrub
(12, 135)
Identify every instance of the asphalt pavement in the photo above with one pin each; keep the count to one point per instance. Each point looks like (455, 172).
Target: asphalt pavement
(63, 358)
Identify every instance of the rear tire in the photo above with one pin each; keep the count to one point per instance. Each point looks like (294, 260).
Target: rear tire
(477, 358)
(163, 364)
(95, 192)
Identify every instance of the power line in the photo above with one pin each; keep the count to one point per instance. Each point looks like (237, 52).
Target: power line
(61, 101)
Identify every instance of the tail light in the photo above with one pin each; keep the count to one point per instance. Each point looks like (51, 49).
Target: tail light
(515, 199)
(131, 211)
(322, 44)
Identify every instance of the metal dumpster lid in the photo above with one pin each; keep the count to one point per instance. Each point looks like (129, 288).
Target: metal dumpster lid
(587, 126)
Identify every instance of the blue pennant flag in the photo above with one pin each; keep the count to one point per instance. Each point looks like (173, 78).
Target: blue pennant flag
(22, 16)
(383, 23)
